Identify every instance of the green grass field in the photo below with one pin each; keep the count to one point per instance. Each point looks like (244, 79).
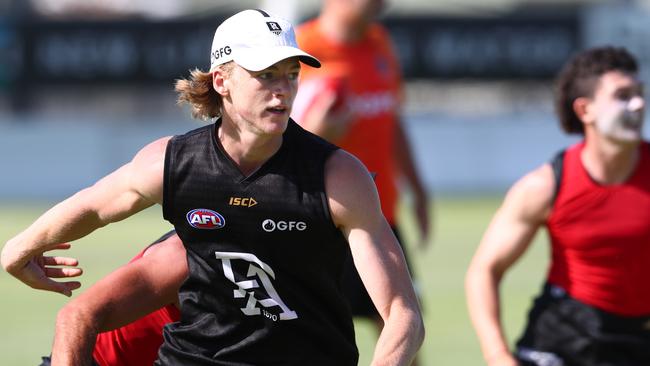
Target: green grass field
(27, 316)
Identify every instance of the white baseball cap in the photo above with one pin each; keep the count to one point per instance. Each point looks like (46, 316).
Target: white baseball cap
(255, 40)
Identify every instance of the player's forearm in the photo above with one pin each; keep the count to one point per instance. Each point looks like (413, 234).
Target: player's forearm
(401, 337)
(483, 303)
(67, 221)
(74, 338)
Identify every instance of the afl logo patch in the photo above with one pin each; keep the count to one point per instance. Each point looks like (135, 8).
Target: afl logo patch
(202, 218)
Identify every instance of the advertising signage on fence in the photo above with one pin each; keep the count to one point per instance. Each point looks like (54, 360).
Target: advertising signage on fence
(145, 52)
(512, 47)
(115, 51)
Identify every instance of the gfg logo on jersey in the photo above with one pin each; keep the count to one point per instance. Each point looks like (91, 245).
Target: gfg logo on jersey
(202, 218)
(269, 225)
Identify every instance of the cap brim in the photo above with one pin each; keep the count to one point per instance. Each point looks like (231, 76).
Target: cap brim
(257, 59)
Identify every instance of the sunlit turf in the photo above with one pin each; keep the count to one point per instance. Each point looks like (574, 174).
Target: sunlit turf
(27, 316)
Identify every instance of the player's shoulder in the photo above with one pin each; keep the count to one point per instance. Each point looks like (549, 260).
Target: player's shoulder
(379, 35)
(350, 189)
(540, 181)
(342, 167)
(153, 150)
(534, 192)
(190, 141)
(197, 132)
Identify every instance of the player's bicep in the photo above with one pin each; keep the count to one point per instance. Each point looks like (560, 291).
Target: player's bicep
(352, 194)
(523, 211)
(377, 256)
(131, 188)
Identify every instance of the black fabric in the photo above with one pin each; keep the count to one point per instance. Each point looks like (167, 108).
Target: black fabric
(557, 164)
(356, 293)
(582, 335)
(277, 241)
(162, 238)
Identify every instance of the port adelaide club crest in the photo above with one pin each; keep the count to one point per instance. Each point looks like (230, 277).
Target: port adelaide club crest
(203, 218)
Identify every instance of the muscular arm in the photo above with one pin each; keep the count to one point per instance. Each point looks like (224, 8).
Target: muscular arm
(120, 298)
(130, 189)
(511, 231)
(355, 208)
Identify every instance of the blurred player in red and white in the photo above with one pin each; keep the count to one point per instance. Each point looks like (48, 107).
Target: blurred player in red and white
(594, 200)
(354, 101)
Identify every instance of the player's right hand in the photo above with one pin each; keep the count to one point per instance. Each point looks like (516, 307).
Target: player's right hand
(39, 272)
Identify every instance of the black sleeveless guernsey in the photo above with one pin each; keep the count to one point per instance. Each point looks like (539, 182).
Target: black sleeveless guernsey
(264, 256)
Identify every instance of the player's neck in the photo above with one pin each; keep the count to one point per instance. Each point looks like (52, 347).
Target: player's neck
(248, 150)
(610, 163)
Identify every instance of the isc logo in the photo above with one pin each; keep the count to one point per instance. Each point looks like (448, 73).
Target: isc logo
(202, 218)
(242, 201)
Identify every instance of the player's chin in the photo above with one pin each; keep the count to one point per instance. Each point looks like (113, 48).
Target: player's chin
(275, 122)
(630, 137)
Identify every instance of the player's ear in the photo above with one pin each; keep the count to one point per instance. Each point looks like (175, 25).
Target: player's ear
(219, 78)
(584, 109)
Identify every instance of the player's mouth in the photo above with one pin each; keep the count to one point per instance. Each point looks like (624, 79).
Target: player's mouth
(633, 120)
(277, 110)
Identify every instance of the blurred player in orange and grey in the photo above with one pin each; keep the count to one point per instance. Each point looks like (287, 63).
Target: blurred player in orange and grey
(354, 101)
(594, 199)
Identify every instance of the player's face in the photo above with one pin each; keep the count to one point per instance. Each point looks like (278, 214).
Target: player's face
(262, 100)
(618, 106)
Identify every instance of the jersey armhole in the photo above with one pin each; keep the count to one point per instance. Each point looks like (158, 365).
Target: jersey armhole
(324, 195)
(167, 177)
(557, 164)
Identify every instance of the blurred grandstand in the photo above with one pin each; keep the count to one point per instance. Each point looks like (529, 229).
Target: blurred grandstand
(84, 84)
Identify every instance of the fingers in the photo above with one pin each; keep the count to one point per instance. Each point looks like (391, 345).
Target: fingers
(62, 272)
(72, 285)
(36, 276)
(64, 288)
(59, 261)
(53, 272)
(61, 246)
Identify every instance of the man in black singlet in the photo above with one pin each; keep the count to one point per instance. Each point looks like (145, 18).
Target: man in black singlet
(267, 212)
